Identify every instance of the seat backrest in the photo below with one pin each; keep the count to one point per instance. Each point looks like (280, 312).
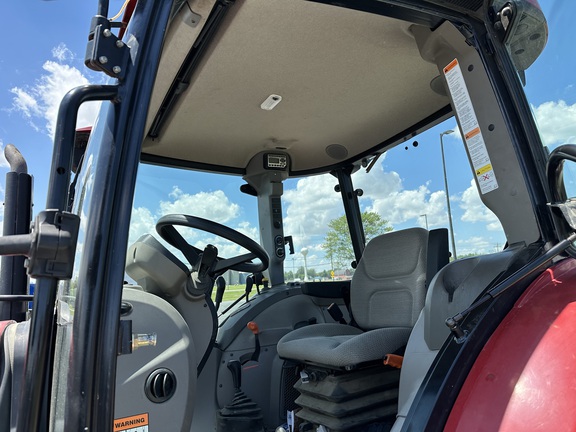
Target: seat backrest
(451, 291)
(456, 288)
(389, 285)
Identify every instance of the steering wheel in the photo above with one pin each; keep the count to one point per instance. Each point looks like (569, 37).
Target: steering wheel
(243, 263)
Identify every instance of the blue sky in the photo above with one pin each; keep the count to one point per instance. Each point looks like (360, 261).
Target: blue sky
(42, 57)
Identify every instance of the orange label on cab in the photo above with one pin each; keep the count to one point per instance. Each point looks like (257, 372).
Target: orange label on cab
(136, 423)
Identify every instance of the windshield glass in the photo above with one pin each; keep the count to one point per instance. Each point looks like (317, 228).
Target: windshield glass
(162, 191)
(308, 206)
(405, 187)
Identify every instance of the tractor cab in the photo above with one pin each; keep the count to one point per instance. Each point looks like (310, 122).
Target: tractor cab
(257, 234)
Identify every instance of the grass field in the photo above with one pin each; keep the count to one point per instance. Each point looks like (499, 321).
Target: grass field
(233, 292)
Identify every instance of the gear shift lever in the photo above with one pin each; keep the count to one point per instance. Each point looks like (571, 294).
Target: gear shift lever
(242, 415)
(236, 370)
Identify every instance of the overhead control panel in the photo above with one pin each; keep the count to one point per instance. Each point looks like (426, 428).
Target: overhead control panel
(275, 161)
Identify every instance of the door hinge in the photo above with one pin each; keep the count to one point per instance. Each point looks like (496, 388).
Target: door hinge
(50, 247)
(105, 52)
(53, 244)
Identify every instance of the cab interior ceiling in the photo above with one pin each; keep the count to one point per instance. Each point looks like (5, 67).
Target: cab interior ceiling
(352, 84)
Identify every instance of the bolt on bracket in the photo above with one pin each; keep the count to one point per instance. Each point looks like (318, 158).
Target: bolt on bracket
(106, 53)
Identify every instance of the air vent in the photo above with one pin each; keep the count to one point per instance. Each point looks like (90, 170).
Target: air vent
(160, 385)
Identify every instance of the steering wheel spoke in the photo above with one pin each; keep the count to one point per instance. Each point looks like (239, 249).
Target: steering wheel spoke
(226, 263)
(172, 236)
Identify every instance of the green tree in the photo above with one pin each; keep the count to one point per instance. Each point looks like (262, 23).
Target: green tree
(299, 273)
(337, 243)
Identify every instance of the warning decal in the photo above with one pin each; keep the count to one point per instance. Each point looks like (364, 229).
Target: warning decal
(137, 423)
(469, 124)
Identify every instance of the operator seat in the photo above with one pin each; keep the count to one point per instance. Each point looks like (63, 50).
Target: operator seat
(387, 293)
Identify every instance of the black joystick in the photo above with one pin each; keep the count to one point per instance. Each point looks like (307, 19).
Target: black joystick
(236, 370)
(242, 415)
(220, 288)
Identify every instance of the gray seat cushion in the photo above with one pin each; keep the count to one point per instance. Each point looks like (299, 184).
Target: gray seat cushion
(340, 345)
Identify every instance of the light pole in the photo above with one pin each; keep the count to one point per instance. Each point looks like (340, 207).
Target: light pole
(304, 252)
(425, 216)
(448, 132)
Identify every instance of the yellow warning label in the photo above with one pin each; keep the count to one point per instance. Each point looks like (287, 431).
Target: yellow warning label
(484, 169)
(137, 423)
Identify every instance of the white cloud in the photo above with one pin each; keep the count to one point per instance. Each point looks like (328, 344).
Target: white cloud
(25, 103)
(556, 122)
(249, 231)
(396, 204)
(313, 204)
(477, 245)
(62, 53)
(142, 222)
(41, 100)
(309, 209)
(214, 206)
(476, 211)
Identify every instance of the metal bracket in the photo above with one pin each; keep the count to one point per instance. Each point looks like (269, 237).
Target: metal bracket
(53, 244)
(106, 53)
(568, 209)
(454, 325)
(125, 337)
(501, 19)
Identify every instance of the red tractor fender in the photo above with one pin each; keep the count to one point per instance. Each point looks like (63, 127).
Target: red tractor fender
(525, 377)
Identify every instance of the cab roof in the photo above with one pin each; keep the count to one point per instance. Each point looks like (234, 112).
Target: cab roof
(351, 84)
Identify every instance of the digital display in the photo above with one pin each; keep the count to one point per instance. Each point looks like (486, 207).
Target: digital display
(276, 161)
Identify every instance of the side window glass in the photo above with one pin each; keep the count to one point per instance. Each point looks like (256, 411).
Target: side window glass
(408, 186)
(551, 85)
(310, 206)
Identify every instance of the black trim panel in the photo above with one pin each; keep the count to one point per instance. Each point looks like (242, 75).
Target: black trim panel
(196, 53)
(425, 12)
(332, 290)
(180, 163)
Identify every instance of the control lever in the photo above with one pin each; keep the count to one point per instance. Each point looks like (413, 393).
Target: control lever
(260, 280)
(245, 358)
(208, 260)
(236, 371)
(249, 285)
(220, 288)
(288, 240)
(242, 414)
